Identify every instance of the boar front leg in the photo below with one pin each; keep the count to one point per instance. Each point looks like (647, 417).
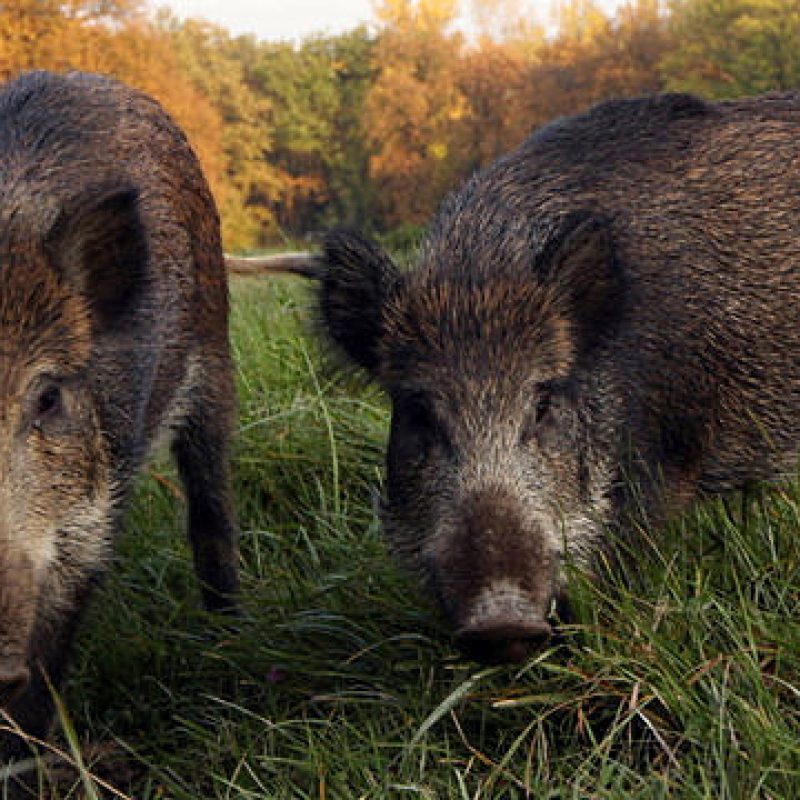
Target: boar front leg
(201, 450)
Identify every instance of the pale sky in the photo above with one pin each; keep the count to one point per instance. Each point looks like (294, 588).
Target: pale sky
(291, 19)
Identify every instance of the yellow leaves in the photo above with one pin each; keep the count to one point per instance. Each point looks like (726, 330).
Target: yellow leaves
(439, 106)
(378, 127)
(458, 110)
(423, 15)
(580, 21)
(438, 150)
(413, 106)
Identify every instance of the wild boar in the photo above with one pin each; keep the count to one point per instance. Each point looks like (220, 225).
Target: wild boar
(113, 334)
(609, 313)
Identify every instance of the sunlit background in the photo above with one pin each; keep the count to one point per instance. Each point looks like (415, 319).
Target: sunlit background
(296, 19)
(311, 113)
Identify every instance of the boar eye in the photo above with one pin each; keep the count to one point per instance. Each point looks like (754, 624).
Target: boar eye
(417, 414)
(48, 404)
(544, 401)
(49, 401)
(415, 430)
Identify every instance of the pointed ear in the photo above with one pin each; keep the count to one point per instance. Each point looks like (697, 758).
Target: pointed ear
(357, 280)
(100, 246)
(579, 260)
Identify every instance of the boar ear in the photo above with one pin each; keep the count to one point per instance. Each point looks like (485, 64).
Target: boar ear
(357, 279)
(100, 246)
(579, 259)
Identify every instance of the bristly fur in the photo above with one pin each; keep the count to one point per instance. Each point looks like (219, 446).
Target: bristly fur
(613, 305)
(113, 326)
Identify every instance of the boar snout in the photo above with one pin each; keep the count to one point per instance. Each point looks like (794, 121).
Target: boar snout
(502, 639)
(14, 680)
(493, 571)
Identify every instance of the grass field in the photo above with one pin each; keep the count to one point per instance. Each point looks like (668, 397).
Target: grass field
(681, 677)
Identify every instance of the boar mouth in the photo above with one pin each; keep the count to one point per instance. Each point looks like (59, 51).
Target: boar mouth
(503, 625)
(502, 640)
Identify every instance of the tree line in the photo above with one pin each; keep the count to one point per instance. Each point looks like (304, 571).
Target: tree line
(373, 126)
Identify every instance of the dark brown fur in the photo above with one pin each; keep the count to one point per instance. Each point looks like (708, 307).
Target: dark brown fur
(113, 330)
(612, 308)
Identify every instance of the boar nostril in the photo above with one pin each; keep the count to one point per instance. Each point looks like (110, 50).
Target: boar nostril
(13, 682)
(502, 641)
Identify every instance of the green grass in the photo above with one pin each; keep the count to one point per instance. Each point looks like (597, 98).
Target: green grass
(681, 677)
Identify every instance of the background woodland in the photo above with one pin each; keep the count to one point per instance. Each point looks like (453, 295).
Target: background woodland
(373, 126)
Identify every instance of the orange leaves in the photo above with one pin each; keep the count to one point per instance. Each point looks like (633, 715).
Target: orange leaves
(413, 107)
(113, 38)
(442, 105)
(372, 129)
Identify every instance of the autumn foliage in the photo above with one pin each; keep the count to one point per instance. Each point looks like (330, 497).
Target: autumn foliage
(373, 126)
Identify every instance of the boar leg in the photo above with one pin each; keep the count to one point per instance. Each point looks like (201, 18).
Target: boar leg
(201, 450)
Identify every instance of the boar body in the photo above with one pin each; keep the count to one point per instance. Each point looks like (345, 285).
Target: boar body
(113, 334)
(604, 319)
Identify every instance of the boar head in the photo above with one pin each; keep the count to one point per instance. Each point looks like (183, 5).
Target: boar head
(61, 293)
(495, 470)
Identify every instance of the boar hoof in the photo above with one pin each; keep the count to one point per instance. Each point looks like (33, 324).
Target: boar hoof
(502, 641)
